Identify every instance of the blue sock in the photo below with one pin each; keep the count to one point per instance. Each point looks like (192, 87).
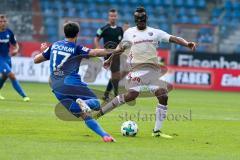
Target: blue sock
(2, 81)
(91, 123)
(94, 126)
(93, 103)
(17, 87)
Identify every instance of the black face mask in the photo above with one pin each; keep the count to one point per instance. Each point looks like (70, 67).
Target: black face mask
(140, 20)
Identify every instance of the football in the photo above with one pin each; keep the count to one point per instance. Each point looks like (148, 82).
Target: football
(129, 128)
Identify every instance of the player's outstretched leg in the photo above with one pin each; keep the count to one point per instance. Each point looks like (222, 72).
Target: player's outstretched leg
(92, 123)
(3, 79)
(79, 109)
(86, 106)
(117, 101)
(95, 127)
(161, 113)
(17, 87)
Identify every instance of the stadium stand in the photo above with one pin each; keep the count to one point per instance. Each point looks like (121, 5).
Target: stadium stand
(223, 15)
(229, 25)
(20, 20)
(186, 13)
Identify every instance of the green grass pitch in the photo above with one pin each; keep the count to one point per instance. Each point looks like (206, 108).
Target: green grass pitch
(205, 125)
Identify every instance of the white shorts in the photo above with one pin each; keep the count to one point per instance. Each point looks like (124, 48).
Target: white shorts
(145, 79)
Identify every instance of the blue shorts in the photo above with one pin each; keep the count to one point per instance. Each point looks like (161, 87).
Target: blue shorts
(74, 92)
(5, 66)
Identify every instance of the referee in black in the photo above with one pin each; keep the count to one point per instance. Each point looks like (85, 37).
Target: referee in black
(112, 35)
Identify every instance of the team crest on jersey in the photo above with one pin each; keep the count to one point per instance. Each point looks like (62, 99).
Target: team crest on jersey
(134, 36)
(150, 33)
(7, 36)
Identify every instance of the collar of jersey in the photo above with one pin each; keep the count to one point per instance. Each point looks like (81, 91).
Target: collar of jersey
(142, 30)
(113, 26)
(65, 40)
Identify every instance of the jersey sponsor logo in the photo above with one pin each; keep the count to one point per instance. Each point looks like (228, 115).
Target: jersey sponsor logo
(4, 40)
(228, 80)
(144, 41)
(63, 48)
(192, 78)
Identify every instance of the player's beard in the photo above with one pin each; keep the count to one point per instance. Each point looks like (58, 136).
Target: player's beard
(112, 22)
(141, 25)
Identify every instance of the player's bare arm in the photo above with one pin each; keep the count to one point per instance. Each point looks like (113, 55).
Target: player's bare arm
(183, 42)
(39, 58)
(15, 49)
(122, 46)
(93, 53)
(107, 63)
(104, 52)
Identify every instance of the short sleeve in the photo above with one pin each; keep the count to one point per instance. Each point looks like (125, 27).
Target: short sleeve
(12, 38)
(163, 36)
(82, 50)
(99, 33)
(126, 36)
(47, 52)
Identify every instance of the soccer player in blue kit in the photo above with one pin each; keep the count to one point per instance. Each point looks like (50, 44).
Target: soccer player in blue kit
(65, 58)
(6, 39)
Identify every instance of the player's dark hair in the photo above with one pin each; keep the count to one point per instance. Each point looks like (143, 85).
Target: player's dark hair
(140, 14)
(113, 10)
(140, 9)
(71, 29)
(2, 15)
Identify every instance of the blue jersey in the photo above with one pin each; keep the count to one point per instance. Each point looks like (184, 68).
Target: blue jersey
(65, 58)
(6, 38)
